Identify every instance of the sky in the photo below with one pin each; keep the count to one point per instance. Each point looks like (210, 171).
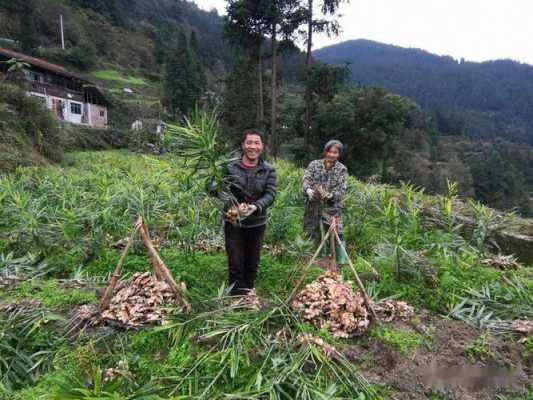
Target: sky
(477, 30)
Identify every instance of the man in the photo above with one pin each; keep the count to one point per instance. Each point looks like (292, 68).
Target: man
(253, 184)
(324, 186)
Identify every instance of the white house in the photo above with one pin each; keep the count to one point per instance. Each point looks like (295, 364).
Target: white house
(71, 97)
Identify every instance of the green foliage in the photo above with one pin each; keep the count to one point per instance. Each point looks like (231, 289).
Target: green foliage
(465, 139)
(26, 350)
(51, 296)
(184, 80)
(70, 216)
(369, 122)
(457, 93)
(247, 361)
(325, 80)
(116, 76)
(527, 354)
(401, 340)
(26, 267)
(480, 349)
(512, 299)
(240, 98)
(28, 131)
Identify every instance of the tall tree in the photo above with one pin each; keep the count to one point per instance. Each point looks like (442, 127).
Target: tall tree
(319, 25)
(184, 78)
(245, 26)
(284, 16)
(28, 35)
(239, 95)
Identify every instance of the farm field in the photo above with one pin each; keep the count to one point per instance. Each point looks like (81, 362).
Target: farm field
(62, 229)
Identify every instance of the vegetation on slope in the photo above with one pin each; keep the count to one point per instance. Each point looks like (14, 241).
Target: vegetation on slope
(71, 216)
(28, 132)
(480, 100)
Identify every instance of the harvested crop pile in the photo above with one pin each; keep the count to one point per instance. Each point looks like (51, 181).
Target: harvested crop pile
(139, 302)
(9, 281)
(9, 307)
(523, 326)
(390, 310)
(502, 262)
(250, 301)
(330, 303)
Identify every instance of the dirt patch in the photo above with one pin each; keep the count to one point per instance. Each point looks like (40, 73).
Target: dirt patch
(444, 365)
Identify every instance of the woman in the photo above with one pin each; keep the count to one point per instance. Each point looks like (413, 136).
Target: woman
(324, 186)
(253, 184)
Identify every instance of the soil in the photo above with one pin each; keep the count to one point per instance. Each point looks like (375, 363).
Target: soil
(443, 367)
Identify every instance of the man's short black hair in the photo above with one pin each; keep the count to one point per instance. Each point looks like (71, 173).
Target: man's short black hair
(252, 131)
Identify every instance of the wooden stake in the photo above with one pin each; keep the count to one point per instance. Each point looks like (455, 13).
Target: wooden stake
(357, 280)
(306, 269)
(333, 255)
(104, 303)
(161, 269)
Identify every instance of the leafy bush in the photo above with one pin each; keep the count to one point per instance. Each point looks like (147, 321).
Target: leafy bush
(28, 131)
(26, 351)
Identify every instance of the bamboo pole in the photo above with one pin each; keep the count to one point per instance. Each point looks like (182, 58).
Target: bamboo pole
(104, 303)
(306, 269)
(161, 269)
(357, 280)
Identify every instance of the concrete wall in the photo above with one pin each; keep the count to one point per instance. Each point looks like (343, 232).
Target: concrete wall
(91, 114)
(97, 115)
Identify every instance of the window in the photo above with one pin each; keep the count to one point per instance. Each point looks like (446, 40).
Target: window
(102, 113)
(35, 77)
(75, 108)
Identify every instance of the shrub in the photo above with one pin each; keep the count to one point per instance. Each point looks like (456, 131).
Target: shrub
(28, 131)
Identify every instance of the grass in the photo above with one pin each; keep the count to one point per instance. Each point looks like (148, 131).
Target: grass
(480, 350)
(400, 340)
(527, 354)
(116, 76)
(51, 296)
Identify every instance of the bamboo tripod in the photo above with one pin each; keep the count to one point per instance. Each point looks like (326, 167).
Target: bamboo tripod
(333, 235)
(160, 269)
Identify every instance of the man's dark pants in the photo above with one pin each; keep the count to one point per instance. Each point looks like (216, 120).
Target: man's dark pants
(243, 246)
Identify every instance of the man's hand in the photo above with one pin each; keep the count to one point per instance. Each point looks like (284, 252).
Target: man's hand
(245, 210)
(310, 194)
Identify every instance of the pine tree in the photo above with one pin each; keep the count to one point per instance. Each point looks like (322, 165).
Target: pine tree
(314, 25)
(28, 36)
(240, 97)
(246, 25)
(184, 79)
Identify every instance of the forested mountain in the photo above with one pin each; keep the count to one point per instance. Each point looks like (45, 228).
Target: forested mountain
(132, 33)
(170, 56)
(481, 100)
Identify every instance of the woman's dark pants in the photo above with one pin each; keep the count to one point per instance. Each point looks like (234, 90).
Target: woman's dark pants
(243, 246)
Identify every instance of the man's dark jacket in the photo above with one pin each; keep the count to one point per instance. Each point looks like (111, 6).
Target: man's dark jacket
(256, 186)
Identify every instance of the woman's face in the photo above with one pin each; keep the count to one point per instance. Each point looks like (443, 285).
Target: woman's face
(332, 154)
(252, 147)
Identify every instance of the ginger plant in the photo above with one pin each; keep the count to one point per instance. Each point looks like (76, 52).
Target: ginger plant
(199, 142)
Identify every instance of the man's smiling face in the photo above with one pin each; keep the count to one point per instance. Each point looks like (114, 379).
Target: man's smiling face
(252, 147)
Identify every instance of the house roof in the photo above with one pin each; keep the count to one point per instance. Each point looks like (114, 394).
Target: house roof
(37, 62)
(57, 69)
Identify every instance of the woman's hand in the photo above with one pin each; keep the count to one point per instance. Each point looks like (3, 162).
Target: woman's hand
(324, 195)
